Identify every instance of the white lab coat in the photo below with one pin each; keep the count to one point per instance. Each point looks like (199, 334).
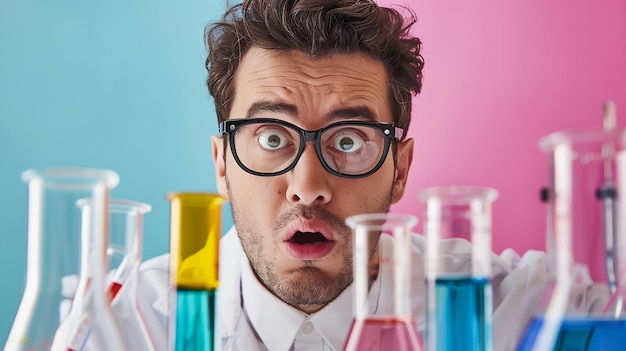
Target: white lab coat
(250, 318)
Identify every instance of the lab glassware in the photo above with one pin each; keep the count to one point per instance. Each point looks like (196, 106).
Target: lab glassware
(54, 246)
(583, 198)
(90, 323)
(616, 308)
(195, 230)
(458, 289)
(383, 261)
(125, 255)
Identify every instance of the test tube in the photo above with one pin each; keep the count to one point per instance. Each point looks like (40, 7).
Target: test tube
(195, 220)
(383, 262)
(458, 284)
(54, 246)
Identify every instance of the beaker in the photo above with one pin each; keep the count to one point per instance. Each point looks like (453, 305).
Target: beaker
(54, 239)
(195, 231)
(583, 199)
(458, 267)
(384, 317)
(125, 255)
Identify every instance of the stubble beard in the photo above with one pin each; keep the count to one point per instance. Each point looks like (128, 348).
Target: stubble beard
(308, 288)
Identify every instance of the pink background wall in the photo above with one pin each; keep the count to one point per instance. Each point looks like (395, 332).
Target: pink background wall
(499, 75)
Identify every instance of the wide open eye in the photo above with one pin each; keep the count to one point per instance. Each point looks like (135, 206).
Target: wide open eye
(273, 139)
(348, 142)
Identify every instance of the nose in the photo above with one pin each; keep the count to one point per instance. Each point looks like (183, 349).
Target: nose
(308, 184)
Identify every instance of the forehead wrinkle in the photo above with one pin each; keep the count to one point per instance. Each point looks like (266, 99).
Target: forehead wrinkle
(315, 72)
(327, 83)
(321, 74)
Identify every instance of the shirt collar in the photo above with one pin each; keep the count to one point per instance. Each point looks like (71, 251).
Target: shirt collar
(262, 307)
(334, 321)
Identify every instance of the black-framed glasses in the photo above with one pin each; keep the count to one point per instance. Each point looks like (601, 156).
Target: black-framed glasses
(271, 147)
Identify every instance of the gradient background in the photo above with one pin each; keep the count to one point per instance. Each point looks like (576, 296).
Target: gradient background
(120, 85)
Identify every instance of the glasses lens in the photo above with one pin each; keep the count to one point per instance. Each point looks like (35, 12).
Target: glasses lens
(352, 149)
(266, 147)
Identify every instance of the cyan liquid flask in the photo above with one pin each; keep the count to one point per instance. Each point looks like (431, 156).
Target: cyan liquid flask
(458, 287)
(195, 230)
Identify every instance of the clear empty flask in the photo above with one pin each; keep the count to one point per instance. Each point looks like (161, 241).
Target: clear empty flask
(90, 324)
(54, 239)
(195, 231)
(583, 220)
(385, 294)
(124, 251)
(458, 267)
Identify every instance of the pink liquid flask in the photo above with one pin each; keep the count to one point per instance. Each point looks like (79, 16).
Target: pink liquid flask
(384, 307)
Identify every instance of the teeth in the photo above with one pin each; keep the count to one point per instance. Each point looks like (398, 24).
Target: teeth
(303, 238)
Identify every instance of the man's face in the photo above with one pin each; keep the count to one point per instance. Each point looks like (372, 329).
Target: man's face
(292, 225)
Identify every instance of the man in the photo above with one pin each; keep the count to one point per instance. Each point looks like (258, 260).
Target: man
(313, 99)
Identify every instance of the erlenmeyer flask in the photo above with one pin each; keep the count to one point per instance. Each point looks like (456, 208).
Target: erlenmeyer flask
(616, 308)
(459, 298)
(195, 230)
(582, 204)
(90, 324)
(54, 238)
(383, 262)
(124, 250)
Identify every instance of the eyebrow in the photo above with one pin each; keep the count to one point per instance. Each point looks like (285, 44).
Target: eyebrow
(271, 106)
(355, 112)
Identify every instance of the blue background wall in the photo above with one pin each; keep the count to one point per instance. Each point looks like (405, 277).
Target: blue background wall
(109, 84)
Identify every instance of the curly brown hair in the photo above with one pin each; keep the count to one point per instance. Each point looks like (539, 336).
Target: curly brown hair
(318, 28)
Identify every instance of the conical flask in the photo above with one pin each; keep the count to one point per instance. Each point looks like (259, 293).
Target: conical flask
(458, 295)
(583, 222)
(90, 324)
(54, 239)
(195, 231)
(383, 264)
(616, 308)
(124, 251)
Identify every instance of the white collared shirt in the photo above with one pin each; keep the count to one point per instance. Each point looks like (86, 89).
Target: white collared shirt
(251, 318)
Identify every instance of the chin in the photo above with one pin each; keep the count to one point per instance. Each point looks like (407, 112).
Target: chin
(311, 286)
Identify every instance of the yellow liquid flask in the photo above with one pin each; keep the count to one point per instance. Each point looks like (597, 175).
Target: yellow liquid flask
(194, 252)
(125, 256)
(385, 313)
(582, 236)
(54, 246)
(458, 286)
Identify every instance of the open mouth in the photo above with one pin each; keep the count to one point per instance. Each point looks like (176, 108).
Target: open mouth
(308, 238)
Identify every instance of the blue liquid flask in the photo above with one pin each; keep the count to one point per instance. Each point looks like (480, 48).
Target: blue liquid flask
(194, 252)
(458, 291)
(585, 240)
(579, 334)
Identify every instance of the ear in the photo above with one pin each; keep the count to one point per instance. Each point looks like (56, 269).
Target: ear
(220, 165)
(404, 159)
